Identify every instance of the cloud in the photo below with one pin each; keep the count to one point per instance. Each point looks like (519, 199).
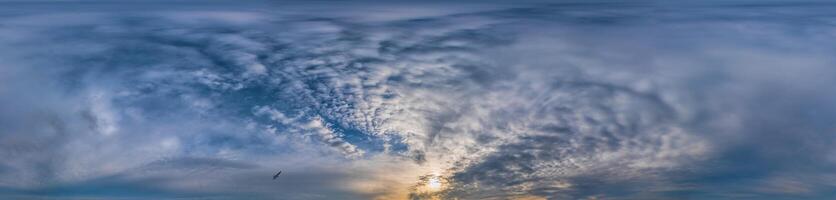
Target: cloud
(576, 101)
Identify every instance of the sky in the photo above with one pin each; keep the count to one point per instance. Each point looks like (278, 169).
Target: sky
(527, 100)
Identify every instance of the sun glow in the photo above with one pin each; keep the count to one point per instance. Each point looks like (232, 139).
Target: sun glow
(433, 183)
(430, 184)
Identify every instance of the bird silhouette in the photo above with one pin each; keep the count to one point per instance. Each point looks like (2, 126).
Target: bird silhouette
(277, 175)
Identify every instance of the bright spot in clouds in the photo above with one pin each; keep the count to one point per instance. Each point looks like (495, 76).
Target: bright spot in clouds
(434, 183)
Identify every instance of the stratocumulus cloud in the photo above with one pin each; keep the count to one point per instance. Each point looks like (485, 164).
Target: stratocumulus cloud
(407, 100)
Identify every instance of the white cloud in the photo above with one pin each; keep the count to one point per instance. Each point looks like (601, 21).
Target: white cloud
(497, 103)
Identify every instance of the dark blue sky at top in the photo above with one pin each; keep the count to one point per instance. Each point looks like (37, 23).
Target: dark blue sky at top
(372, 100)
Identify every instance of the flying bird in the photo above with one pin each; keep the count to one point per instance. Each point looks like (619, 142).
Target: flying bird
(277, 175)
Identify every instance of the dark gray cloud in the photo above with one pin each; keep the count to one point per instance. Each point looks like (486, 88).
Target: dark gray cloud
(405, 100)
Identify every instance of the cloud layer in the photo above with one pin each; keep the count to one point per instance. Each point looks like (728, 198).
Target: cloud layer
(372, 101)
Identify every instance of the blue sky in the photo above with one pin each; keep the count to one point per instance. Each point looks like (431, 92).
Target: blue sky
(408, 100)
